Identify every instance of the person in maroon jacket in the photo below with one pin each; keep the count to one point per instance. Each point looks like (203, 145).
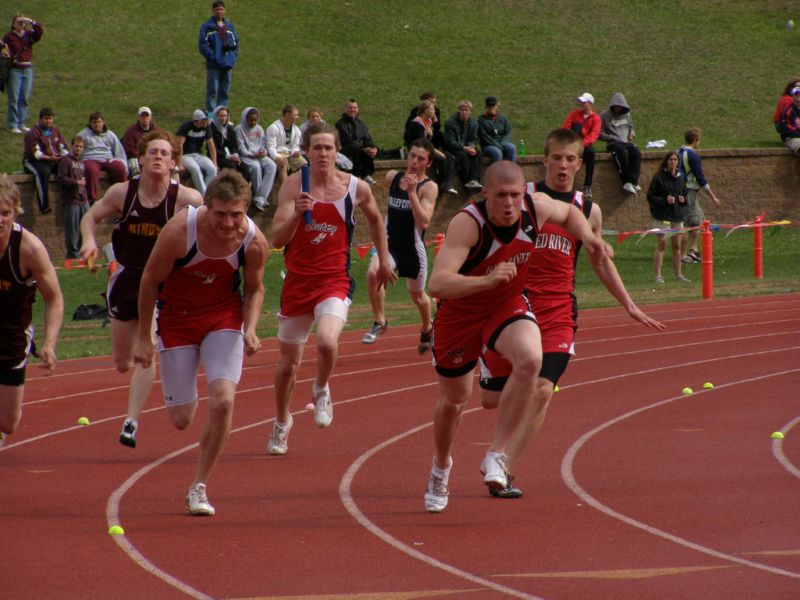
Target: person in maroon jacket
(44, 147)
(586, 123)
(17, 45)
(73, 196)
(130, 140)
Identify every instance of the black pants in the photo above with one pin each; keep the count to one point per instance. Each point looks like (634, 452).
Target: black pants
(363, 164)
(443, 165)
(588, 162)
(41, 171)
(628, 159)
(468, 166)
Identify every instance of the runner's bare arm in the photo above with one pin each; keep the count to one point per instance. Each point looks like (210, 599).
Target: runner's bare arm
(109, 206)
(256, 258)
(289, 214)
(377, 233)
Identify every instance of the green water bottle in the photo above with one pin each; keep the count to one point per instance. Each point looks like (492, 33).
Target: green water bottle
(521, 148)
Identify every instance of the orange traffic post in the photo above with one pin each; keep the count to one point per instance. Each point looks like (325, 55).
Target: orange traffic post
(438, 244)
(708, 261)
(758, 249)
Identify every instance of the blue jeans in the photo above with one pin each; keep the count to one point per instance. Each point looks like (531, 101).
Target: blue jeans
(508, 152)
(18, 87)
(218, 82)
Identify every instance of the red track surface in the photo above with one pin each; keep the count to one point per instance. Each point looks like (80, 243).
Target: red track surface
(633, 490)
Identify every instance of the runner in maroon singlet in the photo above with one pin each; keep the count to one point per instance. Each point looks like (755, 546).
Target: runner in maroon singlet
(140, 208)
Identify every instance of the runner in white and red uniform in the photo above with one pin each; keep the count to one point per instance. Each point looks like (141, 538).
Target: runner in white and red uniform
(318, 286)
(550, 287)
(479, 275)
(140, 209)
(194, 272)
(24, 268)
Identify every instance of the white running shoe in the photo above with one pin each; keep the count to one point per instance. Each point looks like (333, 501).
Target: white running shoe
(279, 438)
(629, 187)
(323, 408)
(197, 501)
(127, 436)
(495, 473)
(377, 330)
(436, 494)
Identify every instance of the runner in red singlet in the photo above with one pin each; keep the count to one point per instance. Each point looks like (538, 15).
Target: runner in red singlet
(550, 286)
(318, 286)
(479, 275)
(195, 271)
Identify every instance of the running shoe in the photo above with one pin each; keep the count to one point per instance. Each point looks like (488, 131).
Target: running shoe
(128, 435)
(494, 471)
(425, 341)
(630, 188)
(682, 278)
(436, 494)
(372, 335)
(687, 260)
(323, 408)
(197, 501)
(694, 256)
(507, 492)
(279, 438)
(659, 279)
(473, 184)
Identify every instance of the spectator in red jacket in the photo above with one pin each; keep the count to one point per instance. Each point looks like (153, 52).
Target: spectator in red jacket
(130, 140)
(586, 123)
(44, 146)
(784, 102)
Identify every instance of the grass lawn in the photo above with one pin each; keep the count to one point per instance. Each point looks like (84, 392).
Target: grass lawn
(717, 65)
(733, 276)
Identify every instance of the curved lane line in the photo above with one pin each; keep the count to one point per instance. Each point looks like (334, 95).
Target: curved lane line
(568, 477)
(777, 449)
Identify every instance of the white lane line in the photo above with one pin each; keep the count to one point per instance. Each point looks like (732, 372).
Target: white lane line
(568, 476)
(777, 449)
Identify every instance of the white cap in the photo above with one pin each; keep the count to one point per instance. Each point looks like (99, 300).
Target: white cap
(586, 97)
(144, 110)
(199, 115)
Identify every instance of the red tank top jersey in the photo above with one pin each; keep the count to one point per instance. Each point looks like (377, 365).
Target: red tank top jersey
(552, 269)
(17, 294)
(321, 248)
(202, 286)
(490, 251)
(135, 232)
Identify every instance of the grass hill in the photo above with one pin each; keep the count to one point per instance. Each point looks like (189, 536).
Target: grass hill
(718, 64)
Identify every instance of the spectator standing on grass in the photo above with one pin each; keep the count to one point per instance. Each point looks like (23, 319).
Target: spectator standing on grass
(193, 135)
(130, 139)
(102, 152)
(72, 180)
(356, 142)
(667, 198)
(17, 45)
(586, 123)
(789, 122)
(784, 102)
(494, 133)
(283, 142)
(251, 140)
(618, 133)
(316, 229)
(44, 147)
(421, 127)
(219, 44)
(461, 140)
(409, 209)
(140, 208)
(201, 259)
(692, 168)
(24, 268)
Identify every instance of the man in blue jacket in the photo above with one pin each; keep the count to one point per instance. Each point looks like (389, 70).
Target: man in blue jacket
(219, 45)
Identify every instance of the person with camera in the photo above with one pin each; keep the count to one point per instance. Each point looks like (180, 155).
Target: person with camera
(17, 48)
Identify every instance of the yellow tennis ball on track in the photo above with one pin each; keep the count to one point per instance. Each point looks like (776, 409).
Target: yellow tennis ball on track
(116, 530)
(83, 421)
(687, 391)
(708, 385)
(777, 435)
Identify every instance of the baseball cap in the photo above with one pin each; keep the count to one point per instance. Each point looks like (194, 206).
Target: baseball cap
(795, 90)
(144, 110)
(199, 115)
(491, 100)
(586, 97)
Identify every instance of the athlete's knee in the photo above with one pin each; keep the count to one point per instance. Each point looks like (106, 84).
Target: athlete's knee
(181, 420)
(286, 369)
(123, 363)
(220, 408)
(10, 421)
(326, 346)
(489, 399)
(420, 299)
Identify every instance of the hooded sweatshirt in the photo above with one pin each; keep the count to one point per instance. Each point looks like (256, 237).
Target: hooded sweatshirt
(617, 129)
(250, 140)
(224, 136)
(103, 146)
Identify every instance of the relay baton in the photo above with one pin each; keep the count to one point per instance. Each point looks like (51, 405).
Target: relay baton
(306, 186)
